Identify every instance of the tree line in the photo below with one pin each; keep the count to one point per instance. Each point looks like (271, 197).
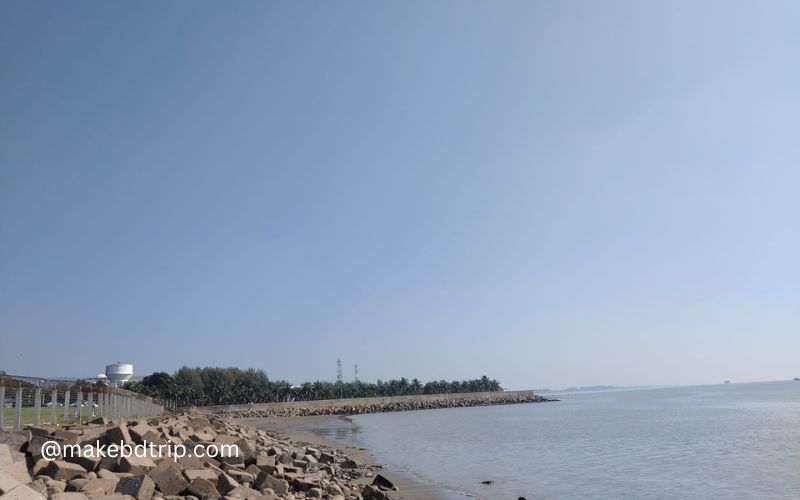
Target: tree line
(226, 386)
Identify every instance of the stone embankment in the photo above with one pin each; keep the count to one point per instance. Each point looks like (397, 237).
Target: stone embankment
(356, 406)
(264, 467)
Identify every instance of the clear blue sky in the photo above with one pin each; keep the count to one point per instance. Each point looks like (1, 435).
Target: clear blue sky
(549, 193)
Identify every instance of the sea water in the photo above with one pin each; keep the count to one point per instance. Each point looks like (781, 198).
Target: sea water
(731, 441)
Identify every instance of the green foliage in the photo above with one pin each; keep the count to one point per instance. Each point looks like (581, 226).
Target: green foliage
(223, 386)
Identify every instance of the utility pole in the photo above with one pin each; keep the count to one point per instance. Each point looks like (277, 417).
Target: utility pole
(356, 370)
(339, 376)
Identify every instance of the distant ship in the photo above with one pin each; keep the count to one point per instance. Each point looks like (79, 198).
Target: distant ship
(797, 379)
(727, 381)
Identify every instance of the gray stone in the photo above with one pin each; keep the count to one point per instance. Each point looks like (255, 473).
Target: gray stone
(168, 478)
(107, 484)
(69, 495)
(139, 486)
(16, 440)
(119, 434)
(63, 471)
(208, 474)
(279, 486)
(226, 483)
(22, 492)
(136, 465)
(203, 489)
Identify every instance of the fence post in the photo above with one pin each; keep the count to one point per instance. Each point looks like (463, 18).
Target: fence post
(18, 408)
(54, 408)
(79, 405)
(66, 406)
(37, 406)
(3, 410)
(91, 404)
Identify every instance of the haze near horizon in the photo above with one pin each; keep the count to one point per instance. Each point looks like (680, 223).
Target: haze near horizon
(551, 194)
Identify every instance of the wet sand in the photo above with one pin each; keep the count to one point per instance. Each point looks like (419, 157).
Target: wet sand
(335, 432)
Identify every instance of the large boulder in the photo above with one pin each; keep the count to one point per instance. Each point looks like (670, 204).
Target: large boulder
(139, 486)
(203, 489)
(168, 478)
(63, 471)
(119, 434)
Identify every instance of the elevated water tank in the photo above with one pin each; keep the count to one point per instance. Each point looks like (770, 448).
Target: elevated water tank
(119, 373)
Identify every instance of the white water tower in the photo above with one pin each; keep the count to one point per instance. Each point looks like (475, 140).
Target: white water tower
(119, 373)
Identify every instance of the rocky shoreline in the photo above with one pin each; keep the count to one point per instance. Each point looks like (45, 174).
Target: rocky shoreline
(267, 467)
(353, 407)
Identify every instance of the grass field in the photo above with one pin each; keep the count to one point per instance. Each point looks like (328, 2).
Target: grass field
(28, 413)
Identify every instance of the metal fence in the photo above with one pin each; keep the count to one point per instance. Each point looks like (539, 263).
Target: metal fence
(39, 401)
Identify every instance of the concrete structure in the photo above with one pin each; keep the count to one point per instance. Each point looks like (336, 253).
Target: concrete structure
(119, 373)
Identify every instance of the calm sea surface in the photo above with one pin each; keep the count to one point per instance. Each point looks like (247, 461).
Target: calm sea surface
(736, 441)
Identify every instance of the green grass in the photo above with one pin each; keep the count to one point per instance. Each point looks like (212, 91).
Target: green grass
(28, 413)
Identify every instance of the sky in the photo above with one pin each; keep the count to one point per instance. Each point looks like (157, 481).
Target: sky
(548, 193)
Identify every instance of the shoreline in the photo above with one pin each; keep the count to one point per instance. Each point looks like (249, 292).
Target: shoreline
(311, 430)
(267, 463)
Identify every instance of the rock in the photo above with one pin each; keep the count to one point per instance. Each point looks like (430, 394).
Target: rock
(39, 431)
(314, 493)
(76, 484)
(39, 485)
(16, 440)
(226, 483)
(333, 489)
(54, 486)
(88, 458)
(36, 443)
(139, 486)
(136, 465)
(18, 470)
(70, 495)
(263, 459)
(5, 455)
(246, 451)
(190, 463)
(279, 486)
(107, 484)
(119, 434)
(7, 482)
(69, 437)
(168, 478)
(383, 483)
(302, 484)
(208, 474)
(239, 475)
(243, 491)
(22, 492)
(203, 489)
(63, 471)
(138, 432)
(349, 463)
(39, 466)
(372, 493)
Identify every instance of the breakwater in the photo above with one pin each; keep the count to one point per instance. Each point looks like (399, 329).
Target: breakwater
(217, 459)
(356, 406)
